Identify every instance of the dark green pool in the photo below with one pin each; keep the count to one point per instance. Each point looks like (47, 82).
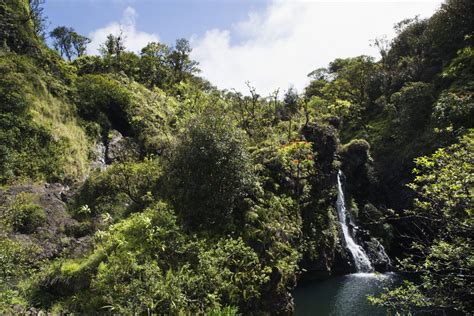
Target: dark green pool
(344, 295)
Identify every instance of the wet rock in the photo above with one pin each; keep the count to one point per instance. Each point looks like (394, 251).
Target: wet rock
(377, 255)
(81, 246)
(343, 261)
(17, 309)
(361, 235)
(316, 268)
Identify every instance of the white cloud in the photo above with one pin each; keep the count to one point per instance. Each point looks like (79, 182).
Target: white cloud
(134, 40)
(289, 39)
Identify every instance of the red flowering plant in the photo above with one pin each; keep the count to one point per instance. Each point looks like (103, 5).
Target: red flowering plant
(297, 161)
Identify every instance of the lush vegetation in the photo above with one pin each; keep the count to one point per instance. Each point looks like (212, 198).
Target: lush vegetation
(186, 198)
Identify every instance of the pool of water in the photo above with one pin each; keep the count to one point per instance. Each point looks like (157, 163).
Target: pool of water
(343, 295)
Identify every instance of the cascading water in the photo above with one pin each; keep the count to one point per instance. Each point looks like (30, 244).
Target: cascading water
(361, 260)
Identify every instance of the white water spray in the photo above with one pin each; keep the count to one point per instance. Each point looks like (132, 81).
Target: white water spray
(361, 260)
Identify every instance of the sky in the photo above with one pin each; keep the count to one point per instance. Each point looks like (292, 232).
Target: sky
(270, 43)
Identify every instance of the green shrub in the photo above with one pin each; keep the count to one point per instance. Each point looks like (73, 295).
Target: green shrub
(13, 86)
(17, 29)
(24, 214)
(455, 109)
(442, 217)
(355, 154)
(28, 151)
(414, 104)
(148, 264)
(60, 279)
(102, 99)
(39, 135)
(210, 174)
(79, 229)
(18, 260)
(120, 189)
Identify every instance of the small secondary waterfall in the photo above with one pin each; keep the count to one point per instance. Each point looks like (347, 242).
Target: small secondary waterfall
(361, 260)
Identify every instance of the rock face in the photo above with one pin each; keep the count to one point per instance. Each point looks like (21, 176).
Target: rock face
(327, 257)
(99, 160)
(377, 255)
(374, 250)
(356, 164)
(120, 148)
(343, 262)
(331, 256)
(325, 143)
(51, 235)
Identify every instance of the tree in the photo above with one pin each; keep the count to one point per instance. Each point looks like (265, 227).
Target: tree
(210, 173)
(349, 85)
(113, 46)
(155, 50)
(180, 61)
(443, 227)
(352, 79)
(291, 100)
(297, 163)
(320, 78)
(290, 107)
(62, 41)
(112, 51)
(79, 43)
(413, 106)
(37, 16)
(154, 70)
(69, 43)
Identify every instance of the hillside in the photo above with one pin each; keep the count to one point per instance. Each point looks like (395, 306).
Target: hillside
(129, 184)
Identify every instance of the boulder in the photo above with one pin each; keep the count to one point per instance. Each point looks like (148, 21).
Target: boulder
(98, 161)
(120, 148)
(377, 255)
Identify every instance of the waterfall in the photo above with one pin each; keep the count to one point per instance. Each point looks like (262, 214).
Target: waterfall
(361, 260)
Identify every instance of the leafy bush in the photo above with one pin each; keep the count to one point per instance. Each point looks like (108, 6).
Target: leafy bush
(455, 110)
(414, 105)
(442, 218)
(209, 174)
(103, 99)
(39, 135)
(152, 117)
(17, 28)
(297, 162)
(28, 151)
(146, 263)
(23, 214)
(18, 260)
(79, 229)
(59, 280)
(120, 189)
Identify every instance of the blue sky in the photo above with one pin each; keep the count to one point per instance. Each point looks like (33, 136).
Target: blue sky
(170, 19)
(271, 43)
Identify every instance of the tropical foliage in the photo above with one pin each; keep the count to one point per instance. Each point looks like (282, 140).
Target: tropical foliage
(177, 197)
